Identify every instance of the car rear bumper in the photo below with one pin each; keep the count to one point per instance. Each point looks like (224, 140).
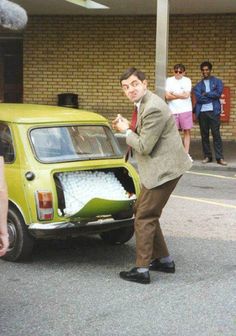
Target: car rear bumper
(69, 229)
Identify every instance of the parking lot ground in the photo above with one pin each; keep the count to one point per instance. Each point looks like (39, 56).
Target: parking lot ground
(73, 288)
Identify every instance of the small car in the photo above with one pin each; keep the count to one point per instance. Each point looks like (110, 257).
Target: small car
(66, 176)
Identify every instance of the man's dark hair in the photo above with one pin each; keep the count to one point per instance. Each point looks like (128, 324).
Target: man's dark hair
(206, 64)
(133, 71)
(179, 66)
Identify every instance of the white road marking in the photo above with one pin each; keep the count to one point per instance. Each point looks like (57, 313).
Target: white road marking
(212, 175)
(205, 201)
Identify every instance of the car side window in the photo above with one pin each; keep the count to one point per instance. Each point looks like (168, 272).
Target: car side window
(6, 143)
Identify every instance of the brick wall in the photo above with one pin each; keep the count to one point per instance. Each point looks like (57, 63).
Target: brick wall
(197, 38)
(85, 55)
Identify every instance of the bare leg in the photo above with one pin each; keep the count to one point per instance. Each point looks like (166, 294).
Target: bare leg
(186, 140)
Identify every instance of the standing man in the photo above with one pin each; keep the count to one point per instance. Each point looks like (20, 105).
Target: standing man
(161, 159)
(207, 109)
(178, 96)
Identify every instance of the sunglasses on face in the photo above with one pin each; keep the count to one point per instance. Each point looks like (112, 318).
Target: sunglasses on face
(178, 71)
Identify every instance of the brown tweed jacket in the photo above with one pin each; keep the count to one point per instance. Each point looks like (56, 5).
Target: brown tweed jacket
(157, 145)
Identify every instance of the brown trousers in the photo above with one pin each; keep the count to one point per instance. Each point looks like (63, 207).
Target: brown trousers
(150, 242)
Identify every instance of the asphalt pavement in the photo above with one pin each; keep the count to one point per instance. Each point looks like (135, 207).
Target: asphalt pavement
(74, 289)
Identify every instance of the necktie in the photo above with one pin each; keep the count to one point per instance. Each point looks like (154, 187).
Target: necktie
(132, 127)
(134, 119)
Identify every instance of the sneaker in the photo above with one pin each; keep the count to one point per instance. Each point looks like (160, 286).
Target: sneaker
(207, 160)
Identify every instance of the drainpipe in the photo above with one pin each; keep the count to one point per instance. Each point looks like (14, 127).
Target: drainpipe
(162, 36)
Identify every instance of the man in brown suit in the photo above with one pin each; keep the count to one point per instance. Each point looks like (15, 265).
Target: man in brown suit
(161, 161)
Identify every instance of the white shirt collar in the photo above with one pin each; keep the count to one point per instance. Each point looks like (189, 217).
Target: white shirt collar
(138, 104)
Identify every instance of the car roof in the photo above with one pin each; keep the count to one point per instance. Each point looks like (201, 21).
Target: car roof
(37, 114)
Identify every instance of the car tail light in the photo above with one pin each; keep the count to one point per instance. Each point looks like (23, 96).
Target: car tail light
(44, 203)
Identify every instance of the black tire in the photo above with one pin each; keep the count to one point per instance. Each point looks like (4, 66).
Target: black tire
(21, 243)
(118, 236)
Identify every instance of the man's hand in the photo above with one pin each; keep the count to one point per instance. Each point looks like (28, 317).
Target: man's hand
(120, 124)
(4, 243)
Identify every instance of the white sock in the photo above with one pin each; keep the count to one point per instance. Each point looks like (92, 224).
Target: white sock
(142, 269)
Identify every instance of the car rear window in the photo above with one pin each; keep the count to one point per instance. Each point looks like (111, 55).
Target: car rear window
(71, 143)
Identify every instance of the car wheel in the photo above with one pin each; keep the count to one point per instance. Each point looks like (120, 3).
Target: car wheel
(118, 236)
(21, 243)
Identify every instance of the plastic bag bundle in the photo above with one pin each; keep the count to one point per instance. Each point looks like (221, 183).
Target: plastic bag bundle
(82, 186)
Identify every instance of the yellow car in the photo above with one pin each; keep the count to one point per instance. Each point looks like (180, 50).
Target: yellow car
(66, 176)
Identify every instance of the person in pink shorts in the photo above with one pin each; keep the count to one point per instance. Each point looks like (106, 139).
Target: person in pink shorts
(178, 96)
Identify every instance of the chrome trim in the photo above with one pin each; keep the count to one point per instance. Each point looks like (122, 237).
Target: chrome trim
(66, 225)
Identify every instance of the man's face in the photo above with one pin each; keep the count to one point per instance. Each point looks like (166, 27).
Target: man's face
(179, 73)
(206, 72)
(134, 88)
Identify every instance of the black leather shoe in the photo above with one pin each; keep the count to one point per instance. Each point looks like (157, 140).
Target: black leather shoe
(156, 265)
(135, 276)
(222, 162)
(207, 160)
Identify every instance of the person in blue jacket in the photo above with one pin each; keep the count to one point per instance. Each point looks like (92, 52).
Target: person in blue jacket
(207, 110)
